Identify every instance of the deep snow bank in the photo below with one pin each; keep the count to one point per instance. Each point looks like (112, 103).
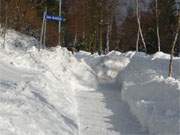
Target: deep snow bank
(152, 98)
(107, 66)
(37, 88)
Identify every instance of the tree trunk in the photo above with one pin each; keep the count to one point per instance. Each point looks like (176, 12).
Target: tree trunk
(137, 15)
(139, 25)
(157, 27)
(5, 25)
(170, 73)
(75, 40)
(137, 41)
(108, 38)
(100, 37)
(100, 40)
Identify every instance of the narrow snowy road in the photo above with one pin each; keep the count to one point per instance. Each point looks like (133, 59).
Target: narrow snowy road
(102, 112)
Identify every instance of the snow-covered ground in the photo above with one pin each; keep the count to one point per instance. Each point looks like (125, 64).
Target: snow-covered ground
(153, 98)
(52, 92)
(37, 94)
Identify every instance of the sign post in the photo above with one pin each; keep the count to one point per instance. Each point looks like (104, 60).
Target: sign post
(45, 27)
(60, 4)
(43, 31)
(44, 23)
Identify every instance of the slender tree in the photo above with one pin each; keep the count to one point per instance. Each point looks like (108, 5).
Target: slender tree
(139, 27)
(4, 28)
(109, 27)
(138, 32)
(170, 73)
(157, 26)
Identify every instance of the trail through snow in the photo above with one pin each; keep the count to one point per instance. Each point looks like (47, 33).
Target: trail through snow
(102, 112)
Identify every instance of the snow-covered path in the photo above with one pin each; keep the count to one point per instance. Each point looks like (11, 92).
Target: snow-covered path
(102, 112)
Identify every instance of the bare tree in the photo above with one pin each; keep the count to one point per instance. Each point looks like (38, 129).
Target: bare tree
(139, 28)
(157, 26)
(101, 37)
(170, 73)
(137, 41)
(108, 37)
(75, 40)
(5, 21)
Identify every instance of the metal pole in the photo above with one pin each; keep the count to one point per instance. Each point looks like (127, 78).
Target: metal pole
(0, 16)
(42, 30)
(45, 27)
(60, 4)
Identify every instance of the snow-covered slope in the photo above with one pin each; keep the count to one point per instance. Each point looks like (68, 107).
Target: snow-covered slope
(37, 94)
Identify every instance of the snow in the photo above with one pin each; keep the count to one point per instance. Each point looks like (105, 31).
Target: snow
(53, 92)
(32, 102)
(102, 112)
(153, 98)
(106, 67)
(37, 89)
(17, 41)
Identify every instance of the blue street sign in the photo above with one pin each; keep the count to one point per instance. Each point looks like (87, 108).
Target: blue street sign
(55, 18)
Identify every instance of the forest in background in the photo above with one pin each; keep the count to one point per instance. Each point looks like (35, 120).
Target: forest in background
(92, 25)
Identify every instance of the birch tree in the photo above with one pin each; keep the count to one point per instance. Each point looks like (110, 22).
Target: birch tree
(109, 27)
(157, 26)
(139, 33)
(170, 72)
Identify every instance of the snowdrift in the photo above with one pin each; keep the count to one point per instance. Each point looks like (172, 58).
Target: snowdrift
(153, 98)
(17, 41)
(107, 66)
(37, 88)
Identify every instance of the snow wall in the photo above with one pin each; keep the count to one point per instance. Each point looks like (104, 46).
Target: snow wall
(153, 98)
